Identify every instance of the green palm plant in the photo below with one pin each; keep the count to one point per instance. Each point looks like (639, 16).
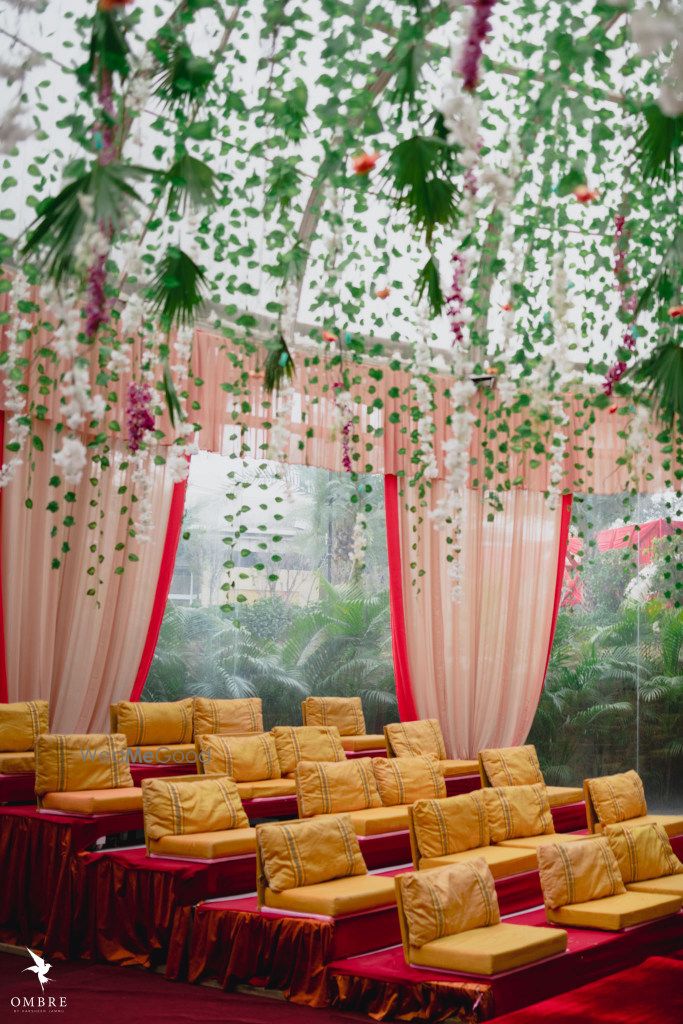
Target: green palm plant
(202, 653)
(342, 646)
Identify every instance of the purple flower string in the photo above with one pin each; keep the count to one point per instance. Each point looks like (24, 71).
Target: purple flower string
(480, 27)
(139, 418)
(455, 299)
(97, 305)
(338, 389)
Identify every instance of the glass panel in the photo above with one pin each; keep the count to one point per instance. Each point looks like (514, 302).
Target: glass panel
(321, 627)
(613, 697)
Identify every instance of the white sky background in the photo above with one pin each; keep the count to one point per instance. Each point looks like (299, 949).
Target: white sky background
(53, 31)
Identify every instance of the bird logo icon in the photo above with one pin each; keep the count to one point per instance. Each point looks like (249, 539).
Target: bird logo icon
(39, 968)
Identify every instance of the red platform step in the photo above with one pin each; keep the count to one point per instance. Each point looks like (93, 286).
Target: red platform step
(361, 982)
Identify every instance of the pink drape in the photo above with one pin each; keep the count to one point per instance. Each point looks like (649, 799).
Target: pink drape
(233, 412)
(79, 652)
(478, 663)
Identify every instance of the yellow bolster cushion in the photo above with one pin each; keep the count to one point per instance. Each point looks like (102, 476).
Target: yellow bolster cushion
(206, 845)
(448, 900)
(614, 913)
(450, 825)
(21, 724)
(222, 717)
(344, 712)
(328, 787)
(72, 763)
(578, 872)
(514, 812)
(16, 763)
(336, 897)
(617, 797)
(402, 780)
(503, 947)
(306, 743)
(643, 852)
(148, 722)
(181, 807)
(306, 852)
(512, 766)
(243, 758)
(410, 739)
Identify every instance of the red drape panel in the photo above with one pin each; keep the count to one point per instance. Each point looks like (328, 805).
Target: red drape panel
(399, 645)
(4, 696)
(561, 559)
(173, 528)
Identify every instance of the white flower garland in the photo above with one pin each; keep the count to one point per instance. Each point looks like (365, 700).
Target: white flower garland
(359, 542)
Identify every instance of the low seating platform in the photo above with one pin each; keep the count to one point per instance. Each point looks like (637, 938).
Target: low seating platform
(18, 788)
(378, 982)
(37, 849)
(133, 909)
(140, 772)
(456, 785)
(569, 817)
(278, 807)
(234, 942)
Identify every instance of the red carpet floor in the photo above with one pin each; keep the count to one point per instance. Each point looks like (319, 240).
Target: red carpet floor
(107, 994)
(650, 993)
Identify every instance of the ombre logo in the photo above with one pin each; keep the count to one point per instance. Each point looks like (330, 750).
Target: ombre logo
(42, 1003)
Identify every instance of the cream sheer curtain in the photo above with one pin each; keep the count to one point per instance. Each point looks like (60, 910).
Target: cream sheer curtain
(478, 663)
(78, 652)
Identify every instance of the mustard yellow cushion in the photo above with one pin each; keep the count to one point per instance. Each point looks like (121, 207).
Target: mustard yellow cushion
(617, 797)
(578, 872)
(67, 763)
(181, 807)
(411, 739)
(616, 912)
(94, 801)
(452, 769)
(669, 885)
(267, 787)
(501, 861)
(307, 852)
(242, 715)
(370, 741)
(671, 823)
(560, 796)
(21, 723)
(534, 842)
(328, 787)
(336, 897)
(502, 947)
(152, 722)
(376, 821)
(517, 811)
(643, 852)
(450, 825)
(402, 780)
(206, 845)
(344, 712)
(512, 766)
(13, 764)
(306, 743)
(444, 901)
(243, 758)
